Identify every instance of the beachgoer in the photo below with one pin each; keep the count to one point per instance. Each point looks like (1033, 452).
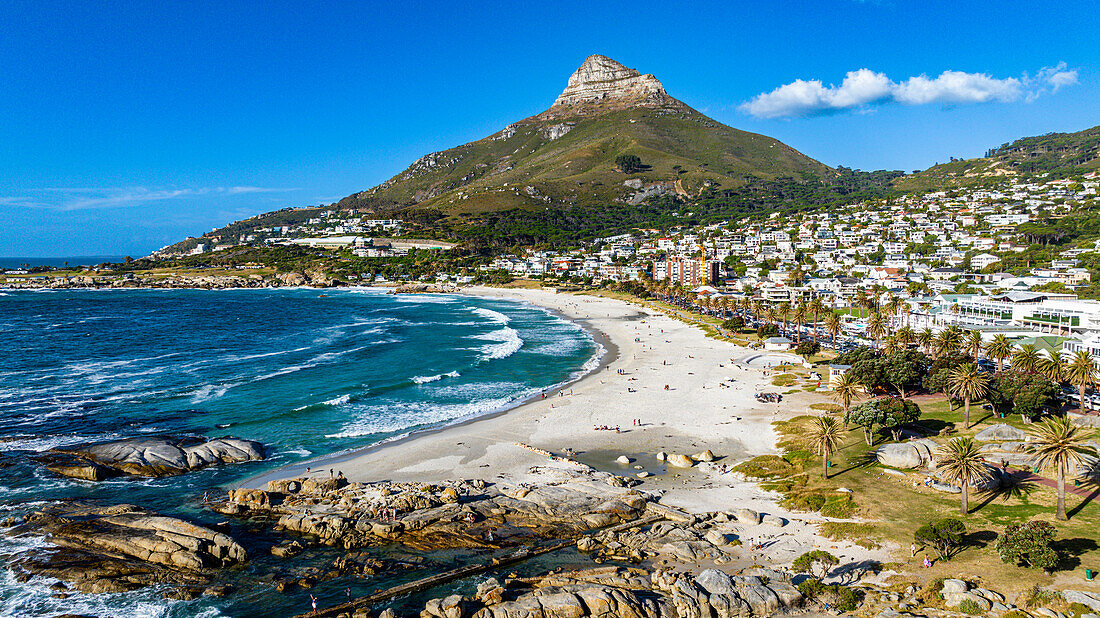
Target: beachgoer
(927, 563)
(205, 497)
(912, 550)
(313, 602)
(330, 473)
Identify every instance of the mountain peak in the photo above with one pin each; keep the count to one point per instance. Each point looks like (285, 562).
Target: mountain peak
(604, 82)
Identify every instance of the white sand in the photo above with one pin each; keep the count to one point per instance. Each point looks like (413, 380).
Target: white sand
(694, 414)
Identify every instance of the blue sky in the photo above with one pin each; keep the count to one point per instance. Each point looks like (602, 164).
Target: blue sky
(127, 126)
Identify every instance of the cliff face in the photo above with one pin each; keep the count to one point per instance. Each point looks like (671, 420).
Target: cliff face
(607, 83)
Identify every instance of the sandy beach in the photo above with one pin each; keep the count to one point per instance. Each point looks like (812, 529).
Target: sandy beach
(665, 387)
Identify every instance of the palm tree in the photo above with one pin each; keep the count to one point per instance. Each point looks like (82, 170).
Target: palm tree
(876, 326)
(904, 337)
(1053, 366)
(892, 307)
(845, 390)
(960, 463)
(967, 383)
(860, 301)
(890, 345)
(799, 319)
(825, 435)
(999, 348)
(925, 338)
(948, 341)
(816, 308)
(1081, 372)
(974, 344)
(1026, 359)
(784, 314)
(833, 326)
(1058, 444)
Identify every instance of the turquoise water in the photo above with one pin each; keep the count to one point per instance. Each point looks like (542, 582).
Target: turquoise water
(306, 372)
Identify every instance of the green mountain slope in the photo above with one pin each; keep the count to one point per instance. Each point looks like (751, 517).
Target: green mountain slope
(1057, 155)
(566, 155)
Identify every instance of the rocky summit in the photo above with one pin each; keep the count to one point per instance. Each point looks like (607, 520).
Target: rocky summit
(602, 83)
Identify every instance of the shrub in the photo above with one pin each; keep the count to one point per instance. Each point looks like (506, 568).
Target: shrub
(842, 598)
(812, 588)
(807, 349)
(1028, 544)
(846, 599)
(1078, 609)
(970, 606)
(811, 561)
(628, 163)
(734, 323)
(1015, 613)
(944, 536)
(767, 330)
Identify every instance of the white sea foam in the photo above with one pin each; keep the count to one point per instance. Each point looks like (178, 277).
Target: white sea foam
(211, 391)
(430, 299)
(34, 598)
(435, 378)
(231, 358)
(406, 415)
(506, 343)
(338, 401)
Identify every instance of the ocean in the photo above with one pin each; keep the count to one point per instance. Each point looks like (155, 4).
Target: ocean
(307, 372)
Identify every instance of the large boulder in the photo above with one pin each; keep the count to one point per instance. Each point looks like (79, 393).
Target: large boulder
(907, 455)
(118, 548)
(1001, 433)
(151, 457)
(678, 460)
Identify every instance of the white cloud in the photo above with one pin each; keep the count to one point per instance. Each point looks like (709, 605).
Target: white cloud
(864, 88)
(66, 199)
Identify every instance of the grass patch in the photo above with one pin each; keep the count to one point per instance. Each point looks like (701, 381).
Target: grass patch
(826, 407)
(784, 379)
(859, 534)
(767, 467)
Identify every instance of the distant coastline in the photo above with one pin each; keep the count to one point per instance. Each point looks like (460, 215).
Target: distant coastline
(59, 262)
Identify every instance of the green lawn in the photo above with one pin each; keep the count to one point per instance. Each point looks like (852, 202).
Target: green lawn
(897, 506)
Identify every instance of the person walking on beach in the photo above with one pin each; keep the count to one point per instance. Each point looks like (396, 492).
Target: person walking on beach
(313, 602)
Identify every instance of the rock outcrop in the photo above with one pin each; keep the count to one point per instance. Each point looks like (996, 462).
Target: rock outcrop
(627, 593)
(603, 84)
(149, 457)
(467, 514)
(124, 547)
(907, 455)
(1001, 433)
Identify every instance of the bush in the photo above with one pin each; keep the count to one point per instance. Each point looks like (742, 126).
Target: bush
(846, 599)
(944, 536)
(1015, 613)
(734, 323)
(1028, 544)
(842, 598)
(807, 349)
(812, 588)
(1078, 609)
(970, 606)
(814, 560)
(767, 330)
(628, 163)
